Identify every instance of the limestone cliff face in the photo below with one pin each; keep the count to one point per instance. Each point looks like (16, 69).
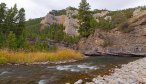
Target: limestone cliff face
(116, 42)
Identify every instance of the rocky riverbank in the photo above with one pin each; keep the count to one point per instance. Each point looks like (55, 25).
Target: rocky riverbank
(132, 73)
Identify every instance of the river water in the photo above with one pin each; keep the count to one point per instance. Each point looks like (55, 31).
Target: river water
(85, 69)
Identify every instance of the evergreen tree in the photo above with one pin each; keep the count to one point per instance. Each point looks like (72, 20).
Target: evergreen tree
(21, 21)
(84, 17)
(2, 15)
(11, 41)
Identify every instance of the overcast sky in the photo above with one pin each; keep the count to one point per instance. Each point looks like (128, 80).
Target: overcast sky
(39, 8)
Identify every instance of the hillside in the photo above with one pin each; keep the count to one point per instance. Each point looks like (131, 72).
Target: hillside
(116, 32)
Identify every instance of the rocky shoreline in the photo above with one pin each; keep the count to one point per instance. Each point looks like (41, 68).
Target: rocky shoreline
(131, 73)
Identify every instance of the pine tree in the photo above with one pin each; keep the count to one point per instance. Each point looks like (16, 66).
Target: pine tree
(21, 21)
(84, 17)
(2, 16)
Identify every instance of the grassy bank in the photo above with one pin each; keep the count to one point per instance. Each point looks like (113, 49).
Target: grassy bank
(7, 56)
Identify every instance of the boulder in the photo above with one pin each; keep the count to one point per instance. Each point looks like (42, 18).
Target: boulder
(108, 18)
(79, 82)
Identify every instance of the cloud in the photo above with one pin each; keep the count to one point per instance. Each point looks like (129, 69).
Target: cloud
(39, 8)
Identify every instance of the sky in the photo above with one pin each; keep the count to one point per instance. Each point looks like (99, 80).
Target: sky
(39, 8)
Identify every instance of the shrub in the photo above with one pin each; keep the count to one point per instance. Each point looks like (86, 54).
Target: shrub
(106, 43)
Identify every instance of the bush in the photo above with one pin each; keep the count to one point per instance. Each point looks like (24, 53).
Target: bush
(11, 41)
(106, 43)
(105, 24)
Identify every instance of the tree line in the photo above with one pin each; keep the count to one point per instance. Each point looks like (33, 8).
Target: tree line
(12, 24)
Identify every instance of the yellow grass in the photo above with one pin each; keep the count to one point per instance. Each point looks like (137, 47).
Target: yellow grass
(31, 57)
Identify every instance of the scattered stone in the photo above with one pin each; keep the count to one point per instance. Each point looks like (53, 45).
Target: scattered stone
(132, 73)
(79, 82)
(67, 83)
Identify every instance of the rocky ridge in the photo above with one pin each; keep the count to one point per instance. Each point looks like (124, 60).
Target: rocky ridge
(116, 42)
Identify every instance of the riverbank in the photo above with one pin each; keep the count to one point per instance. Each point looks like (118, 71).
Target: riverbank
(21, 57)
(131, 73)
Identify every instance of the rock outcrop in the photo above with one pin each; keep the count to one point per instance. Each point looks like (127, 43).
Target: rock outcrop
(102, 14)
(116, 42)
(69, 21)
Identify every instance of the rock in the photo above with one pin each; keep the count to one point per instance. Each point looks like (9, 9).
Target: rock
(109, 18)
(49, 19)
(102, 14)
(79, 82)
(67, 83)
(71, 24)
(90, 83)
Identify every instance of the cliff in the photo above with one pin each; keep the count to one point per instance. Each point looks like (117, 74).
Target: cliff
(68, 20)
(127, 39)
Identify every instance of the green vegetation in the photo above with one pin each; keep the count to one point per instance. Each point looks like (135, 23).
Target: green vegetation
(58, 12)
(23, 42)
(12, 24)
(55, 32)
(85, 18)
(125, 28)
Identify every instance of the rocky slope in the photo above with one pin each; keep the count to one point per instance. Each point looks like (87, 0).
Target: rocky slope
(116, 41)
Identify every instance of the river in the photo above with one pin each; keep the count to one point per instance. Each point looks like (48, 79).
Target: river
(85, 69)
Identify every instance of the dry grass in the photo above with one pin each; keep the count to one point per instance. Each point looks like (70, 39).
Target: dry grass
(31, 57)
